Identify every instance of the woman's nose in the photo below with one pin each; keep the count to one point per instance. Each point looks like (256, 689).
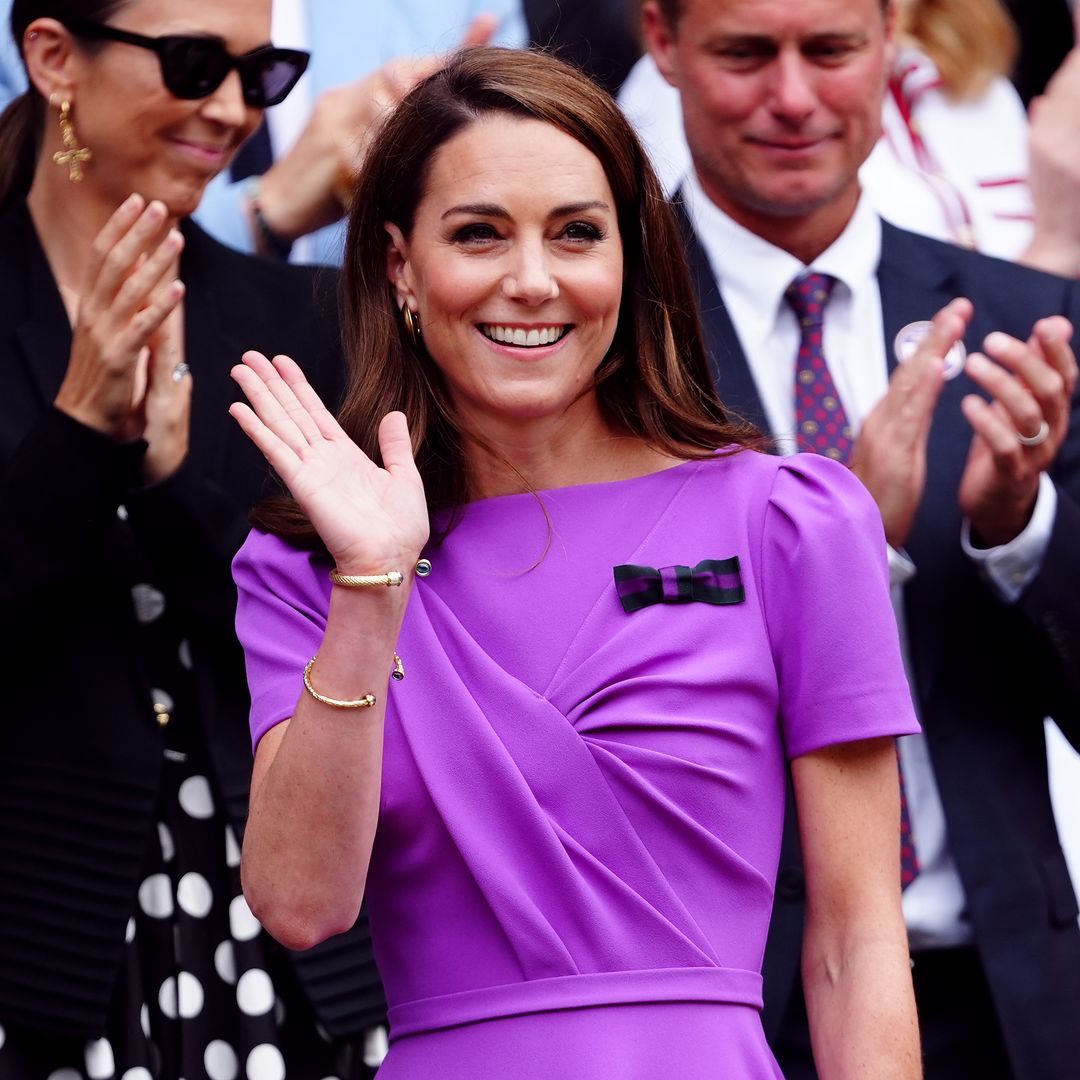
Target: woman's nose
(530, 278)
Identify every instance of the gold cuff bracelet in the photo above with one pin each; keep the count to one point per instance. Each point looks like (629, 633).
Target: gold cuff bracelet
(364, 581)
(365, 702)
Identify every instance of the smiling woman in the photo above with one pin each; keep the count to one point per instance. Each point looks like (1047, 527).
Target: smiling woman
(125, 947)
(565, 818)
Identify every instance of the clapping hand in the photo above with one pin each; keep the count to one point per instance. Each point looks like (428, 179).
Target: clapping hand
(1018, 434)
(889, 456)
(130, 291)
(369, 518)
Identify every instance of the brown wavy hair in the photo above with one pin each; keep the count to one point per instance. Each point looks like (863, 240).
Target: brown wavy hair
(22, 121)
(654, 382)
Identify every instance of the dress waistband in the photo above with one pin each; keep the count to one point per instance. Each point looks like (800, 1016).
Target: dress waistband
(732, 986)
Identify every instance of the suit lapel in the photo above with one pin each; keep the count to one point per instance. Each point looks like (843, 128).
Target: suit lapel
(211, 350)
(727, 361)
(44, 335)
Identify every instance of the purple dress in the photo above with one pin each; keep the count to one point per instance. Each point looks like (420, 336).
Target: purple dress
(581, 807)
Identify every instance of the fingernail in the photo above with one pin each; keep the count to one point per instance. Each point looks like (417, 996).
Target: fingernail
(977, 362)
(996, 341)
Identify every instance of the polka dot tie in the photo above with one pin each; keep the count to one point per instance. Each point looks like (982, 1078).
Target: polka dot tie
(821, 427)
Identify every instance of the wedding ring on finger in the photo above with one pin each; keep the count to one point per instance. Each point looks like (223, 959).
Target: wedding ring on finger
(1038, 438)
(180, 371)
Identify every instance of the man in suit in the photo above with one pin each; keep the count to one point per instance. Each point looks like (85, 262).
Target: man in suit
(809, 302)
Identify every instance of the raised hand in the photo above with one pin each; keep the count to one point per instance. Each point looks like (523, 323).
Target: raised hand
(1031, 383)
(129, 292)
(371, 519)
(889, 456)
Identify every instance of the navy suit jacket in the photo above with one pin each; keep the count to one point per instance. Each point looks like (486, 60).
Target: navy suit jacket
(985, 672)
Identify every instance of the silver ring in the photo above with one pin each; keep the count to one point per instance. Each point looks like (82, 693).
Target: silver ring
(1037, 439)
(180, 371)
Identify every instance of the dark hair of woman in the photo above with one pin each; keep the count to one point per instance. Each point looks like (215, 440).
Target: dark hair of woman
(654, 383)
(21, 122)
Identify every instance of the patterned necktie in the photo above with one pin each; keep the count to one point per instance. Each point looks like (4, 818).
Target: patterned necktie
(821, 427)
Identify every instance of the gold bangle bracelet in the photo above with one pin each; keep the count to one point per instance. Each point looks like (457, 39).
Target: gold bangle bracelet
(365, 581)
(365, 702)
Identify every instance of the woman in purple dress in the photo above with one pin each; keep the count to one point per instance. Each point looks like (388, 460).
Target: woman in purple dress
(617, 624)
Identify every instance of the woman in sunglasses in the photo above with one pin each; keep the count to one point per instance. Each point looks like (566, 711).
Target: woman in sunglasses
(126, 950)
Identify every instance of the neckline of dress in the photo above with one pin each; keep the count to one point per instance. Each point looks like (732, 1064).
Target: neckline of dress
(573, 488)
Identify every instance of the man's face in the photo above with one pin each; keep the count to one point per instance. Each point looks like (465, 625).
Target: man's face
(781, 99)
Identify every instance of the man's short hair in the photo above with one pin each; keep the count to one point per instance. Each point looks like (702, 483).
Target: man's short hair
(672, 10)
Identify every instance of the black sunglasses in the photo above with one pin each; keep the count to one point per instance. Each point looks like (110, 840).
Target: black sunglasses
(194, 67)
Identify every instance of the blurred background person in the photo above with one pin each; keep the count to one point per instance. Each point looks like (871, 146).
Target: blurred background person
(126, 949)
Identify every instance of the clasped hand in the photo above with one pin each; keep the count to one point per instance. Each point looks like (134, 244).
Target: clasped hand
(371, 519)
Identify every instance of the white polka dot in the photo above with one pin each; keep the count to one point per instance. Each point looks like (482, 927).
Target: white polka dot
(129, 932)
(144, 1020)
(122, 514)
(100, 1063)
(184, 654)
(265, 1063)
(225, 962)
(167, 997)
(232, 848)
(255, 992)
(191, 995)
(195, 797)
(220, 1061)
(155, 896)
(194, 895)
(149, 603)
(376, 1047)
(138, 1073)
(168, 848)
(3, 1036)
(242, 923)
(64, 1074)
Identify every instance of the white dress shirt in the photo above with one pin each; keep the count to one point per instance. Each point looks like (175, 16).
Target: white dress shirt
(752, 276)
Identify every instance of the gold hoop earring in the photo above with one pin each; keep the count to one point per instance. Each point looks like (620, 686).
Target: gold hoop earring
(412, 324)
(73, 155)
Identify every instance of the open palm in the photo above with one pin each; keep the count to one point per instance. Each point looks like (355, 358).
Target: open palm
(371, 519)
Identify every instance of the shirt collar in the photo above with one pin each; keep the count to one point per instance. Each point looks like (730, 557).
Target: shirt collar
(755, 273)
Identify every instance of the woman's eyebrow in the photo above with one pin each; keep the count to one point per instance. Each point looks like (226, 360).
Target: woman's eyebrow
(493, 210)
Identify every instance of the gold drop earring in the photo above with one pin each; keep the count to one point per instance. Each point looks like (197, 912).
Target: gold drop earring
(73, 155)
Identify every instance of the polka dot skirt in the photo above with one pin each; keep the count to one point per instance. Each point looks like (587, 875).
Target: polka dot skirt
(203, 993)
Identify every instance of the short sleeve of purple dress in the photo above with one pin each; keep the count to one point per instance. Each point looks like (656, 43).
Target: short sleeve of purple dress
(582, 804)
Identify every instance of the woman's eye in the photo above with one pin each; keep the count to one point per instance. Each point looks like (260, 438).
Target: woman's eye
(477, 233)
(582, 232)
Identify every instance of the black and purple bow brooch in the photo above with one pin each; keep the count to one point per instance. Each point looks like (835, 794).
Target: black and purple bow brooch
(712, 581)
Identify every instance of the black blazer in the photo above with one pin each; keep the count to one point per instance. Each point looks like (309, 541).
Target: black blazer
(80, 747)
(985, 673)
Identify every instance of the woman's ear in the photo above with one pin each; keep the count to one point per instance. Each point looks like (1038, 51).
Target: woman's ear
(52, 61)
(398, 270)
